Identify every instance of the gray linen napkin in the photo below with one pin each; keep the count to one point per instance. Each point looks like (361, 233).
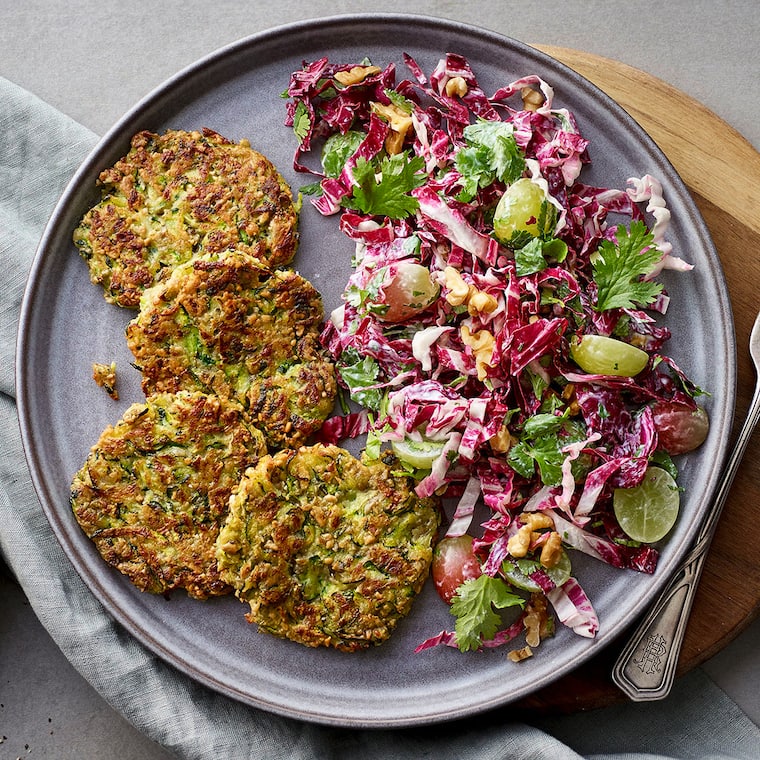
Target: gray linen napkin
(39, 150)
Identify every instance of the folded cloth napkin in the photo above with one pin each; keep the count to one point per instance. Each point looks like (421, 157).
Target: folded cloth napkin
(39, 151)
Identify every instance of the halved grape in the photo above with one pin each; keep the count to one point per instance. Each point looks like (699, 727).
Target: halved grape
(410, 292)
(648, 511)
(680, 428)
(454, 562)
(600, 355)
(523, 209)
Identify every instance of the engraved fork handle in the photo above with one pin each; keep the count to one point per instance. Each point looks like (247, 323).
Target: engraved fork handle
(645, 669)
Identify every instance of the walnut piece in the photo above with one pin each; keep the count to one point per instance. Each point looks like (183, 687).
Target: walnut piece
(355, 74)
(518, 655)
(456, 86)
(551, 551)
(482, 344)
(532, 99)
(519, 544)
(536, 520)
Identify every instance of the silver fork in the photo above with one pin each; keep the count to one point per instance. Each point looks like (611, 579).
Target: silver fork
(645, 669)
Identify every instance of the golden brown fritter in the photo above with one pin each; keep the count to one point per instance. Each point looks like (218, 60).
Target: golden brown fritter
(177, 193)
(154, 490)
(224, 323)
(327, 550)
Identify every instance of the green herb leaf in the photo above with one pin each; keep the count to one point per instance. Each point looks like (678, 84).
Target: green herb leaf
(530, 258)
(313, 188)
(301, 121)
(359, 374)
(542, 424)
(384, 190)
(506, 158)
(663, 459)
(543, 452)
(398, 100)
(474, 606)
(618, 269)
(490, 153)
(543, 437)
(338, 149)
(521, 460)
(473, 163)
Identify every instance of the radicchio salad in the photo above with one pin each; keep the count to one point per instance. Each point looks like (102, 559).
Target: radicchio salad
(499, 333)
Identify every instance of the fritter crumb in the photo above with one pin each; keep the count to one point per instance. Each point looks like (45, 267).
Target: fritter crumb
(104, 375)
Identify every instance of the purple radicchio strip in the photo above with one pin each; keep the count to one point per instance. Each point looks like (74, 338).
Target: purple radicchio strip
(574, 608)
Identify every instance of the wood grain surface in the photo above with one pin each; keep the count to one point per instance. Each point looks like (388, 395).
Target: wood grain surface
(722, 171)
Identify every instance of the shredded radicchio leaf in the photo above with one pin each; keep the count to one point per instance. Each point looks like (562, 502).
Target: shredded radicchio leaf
(481, 374)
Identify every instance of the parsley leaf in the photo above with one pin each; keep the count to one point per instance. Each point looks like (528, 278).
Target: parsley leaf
(474, 166)
(359, 374)
(301, 121)
(338, 149)
(618, 268)
(490, 153)
(543, 451)
(387, 195)
(473, 606)
(544, 435)
(543, 423)
(398, 100)
(506, 159)
(532, 258)
(313, 188)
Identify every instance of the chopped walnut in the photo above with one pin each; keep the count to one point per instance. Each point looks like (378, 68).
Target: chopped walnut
(105, 376)
(536, 520)
(481, 302)
(482, 344)
(458, 289)
(518, 655)
(536, 620)
(478, 341)
(502, 441)
(640, 341)
(568, 394)
(551, 551)
(460, 292)
(532, 99)
(456, 86)
(519, 544)
(400, 123)
(355, 74)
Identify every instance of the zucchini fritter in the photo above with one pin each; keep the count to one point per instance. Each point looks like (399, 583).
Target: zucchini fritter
(328, 550)
(154, 490)
(177, 193)
(224, 323)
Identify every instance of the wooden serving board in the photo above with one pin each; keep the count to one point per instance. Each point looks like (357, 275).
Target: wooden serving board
(722, 171)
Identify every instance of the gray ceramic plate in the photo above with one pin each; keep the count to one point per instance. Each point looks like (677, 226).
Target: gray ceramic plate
(66, 326)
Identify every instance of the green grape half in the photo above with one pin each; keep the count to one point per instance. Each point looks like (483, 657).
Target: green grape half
(601, 355)
(523, 212)
(648, 511)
